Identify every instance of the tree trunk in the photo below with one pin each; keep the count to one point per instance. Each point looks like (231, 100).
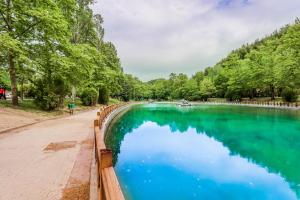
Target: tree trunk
(13, 78)
(10, 57)
(22, 89)
(272, 88)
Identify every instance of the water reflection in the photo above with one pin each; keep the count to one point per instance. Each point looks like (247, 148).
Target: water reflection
(233, 153)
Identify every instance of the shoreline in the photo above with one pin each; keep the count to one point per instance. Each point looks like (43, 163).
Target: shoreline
(197, 103)
(249, 105)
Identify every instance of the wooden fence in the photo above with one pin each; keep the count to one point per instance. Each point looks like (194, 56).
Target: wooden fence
(260, 103)
(108, 184)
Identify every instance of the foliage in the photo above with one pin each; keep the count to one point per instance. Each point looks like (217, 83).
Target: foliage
(289, 95)
(103, 95)
(207, 89)
(50, 93)
(89, 97)
(4, 79)
(44, 39)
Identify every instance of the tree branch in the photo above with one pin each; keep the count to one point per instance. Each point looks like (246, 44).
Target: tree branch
(6, 22)
(29, 28)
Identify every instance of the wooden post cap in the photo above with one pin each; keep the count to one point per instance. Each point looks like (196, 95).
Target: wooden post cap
(105, 158)
(96, 122)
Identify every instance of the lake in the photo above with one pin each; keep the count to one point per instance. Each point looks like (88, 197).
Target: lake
(166, 152)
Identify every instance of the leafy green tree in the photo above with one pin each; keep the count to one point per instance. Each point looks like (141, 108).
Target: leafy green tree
(207, 89)
(24, 23)
(175, 84)
(191, 90)
(198, 77)
(50, 94)
(288, 58)
(159, 89)
(89, 96)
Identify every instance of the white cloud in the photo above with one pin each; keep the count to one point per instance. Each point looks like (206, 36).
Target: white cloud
(157, 37)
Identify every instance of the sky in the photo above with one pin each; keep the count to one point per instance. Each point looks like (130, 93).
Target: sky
(156, 37)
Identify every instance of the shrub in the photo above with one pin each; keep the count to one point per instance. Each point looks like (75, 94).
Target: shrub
(289, 95)
(50, 93)
(233, 96)
(89, 97)
(29, 91)
(103, 95)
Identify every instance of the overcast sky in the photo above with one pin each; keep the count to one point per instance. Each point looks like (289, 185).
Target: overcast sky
(157, 37)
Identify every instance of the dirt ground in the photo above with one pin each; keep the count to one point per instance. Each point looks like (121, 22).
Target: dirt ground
(11, 118)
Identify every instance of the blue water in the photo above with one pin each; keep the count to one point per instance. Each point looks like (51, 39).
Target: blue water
(170, 153)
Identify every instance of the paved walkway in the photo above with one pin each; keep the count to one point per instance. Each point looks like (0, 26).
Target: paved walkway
(36, 162)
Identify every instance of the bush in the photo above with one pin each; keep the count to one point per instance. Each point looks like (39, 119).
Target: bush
(29, 91)
(103, 96)
(89, 97)
(50, 93)
(233, 96)
(289, 95)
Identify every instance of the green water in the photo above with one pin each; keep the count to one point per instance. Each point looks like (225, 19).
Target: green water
(166, 152)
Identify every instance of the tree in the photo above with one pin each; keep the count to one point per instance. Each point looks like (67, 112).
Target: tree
(288, 58)
(175, 84)
(50, 94)
(207, 89)
(191, 90)
(89, 96)
(24, 23)
(198, 77)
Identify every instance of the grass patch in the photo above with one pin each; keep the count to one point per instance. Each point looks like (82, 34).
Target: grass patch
(113, 101)
(28, 105)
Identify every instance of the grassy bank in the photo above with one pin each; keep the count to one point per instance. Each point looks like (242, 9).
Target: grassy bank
(28, 105)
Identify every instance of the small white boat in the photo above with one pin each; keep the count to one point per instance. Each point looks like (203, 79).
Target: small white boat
(184, 103)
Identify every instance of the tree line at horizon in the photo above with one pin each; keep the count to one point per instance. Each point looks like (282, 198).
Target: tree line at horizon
(49, 47)
(269, 67)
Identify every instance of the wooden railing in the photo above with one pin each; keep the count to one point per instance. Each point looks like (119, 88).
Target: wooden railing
(108, 184)
(259, 103)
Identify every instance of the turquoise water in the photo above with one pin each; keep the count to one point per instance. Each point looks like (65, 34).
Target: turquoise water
(165, 152)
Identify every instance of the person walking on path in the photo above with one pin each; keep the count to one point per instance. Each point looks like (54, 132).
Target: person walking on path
(2, 92)
(71, 107)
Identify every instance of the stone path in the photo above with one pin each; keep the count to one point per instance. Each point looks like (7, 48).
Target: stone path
(36, 162)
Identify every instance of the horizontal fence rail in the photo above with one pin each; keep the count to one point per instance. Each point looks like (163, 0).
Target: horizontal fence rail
(257, 103)
(108, 184)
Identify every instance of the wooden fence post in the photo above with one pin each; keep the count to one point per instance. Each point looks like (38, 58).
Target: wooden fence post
(105, 161)
(105, 158)
(96, 122)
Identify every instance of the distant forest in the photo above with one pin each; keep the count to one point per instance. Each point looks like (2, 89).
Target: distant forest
(269, 67)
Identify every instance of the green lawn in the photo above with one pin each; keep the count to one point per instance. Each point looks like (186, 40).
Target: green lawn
(26, 105)
(29, 106)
